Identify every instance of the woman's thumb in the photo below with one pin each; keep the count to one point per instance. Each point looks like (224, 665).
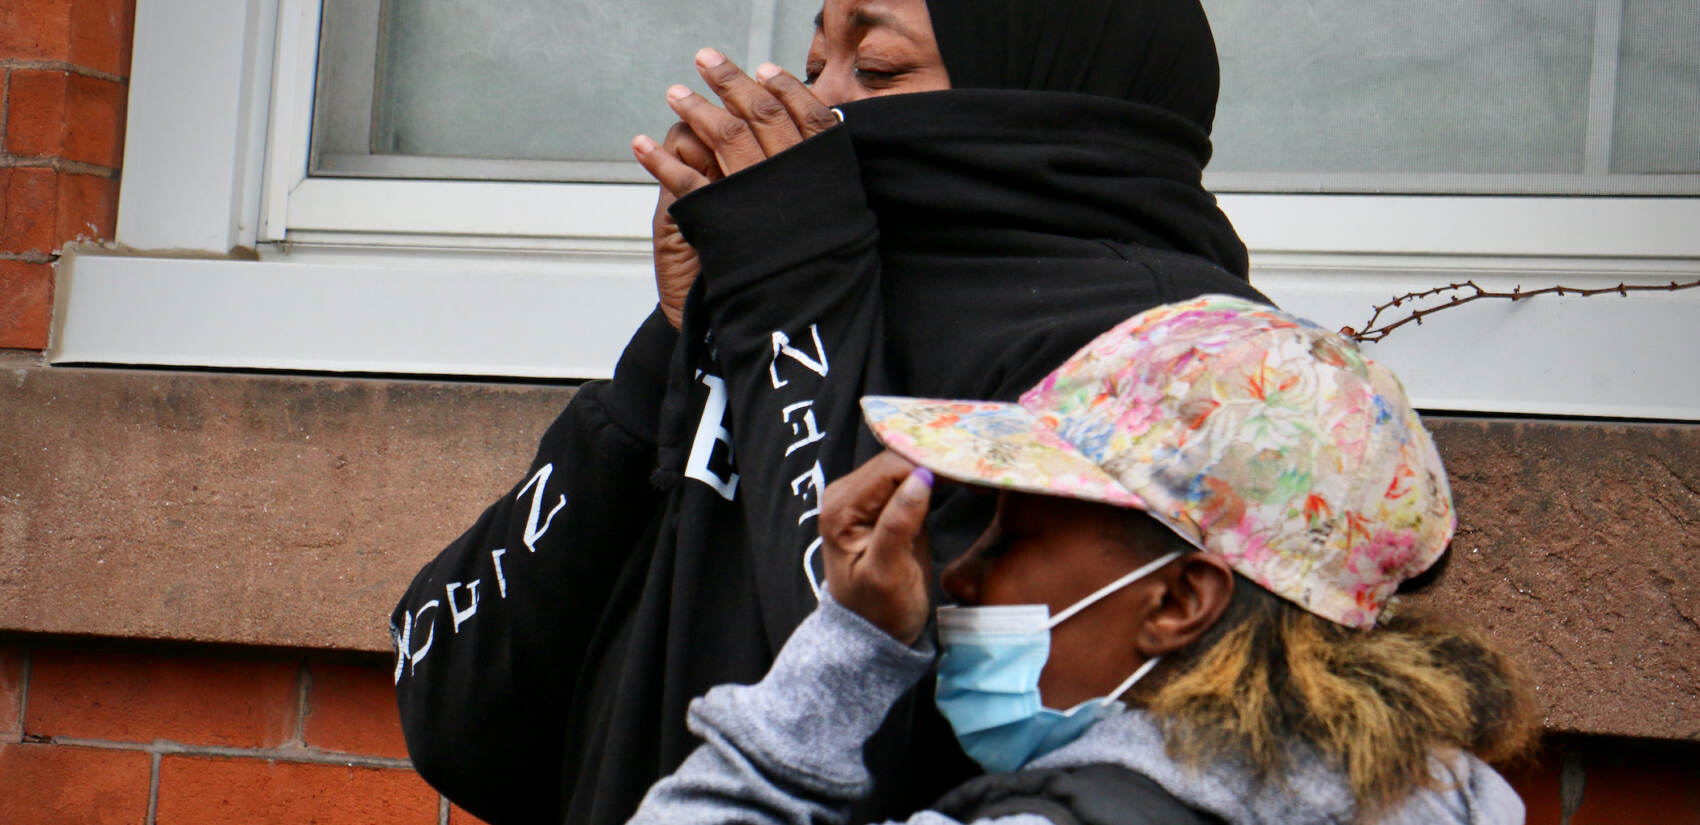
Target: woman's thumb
(903, 517)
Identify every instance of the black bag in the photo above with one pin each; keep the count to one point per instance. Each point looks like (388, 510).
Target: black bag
(1101, 794)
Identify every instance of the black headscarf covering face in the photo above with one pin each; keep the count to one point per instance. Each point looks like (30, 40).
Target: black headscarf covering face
(1157, 52)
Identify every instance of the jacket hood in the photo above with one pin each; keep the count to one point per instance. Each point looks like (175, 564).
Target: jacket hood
(1471, 792)
(966, 165)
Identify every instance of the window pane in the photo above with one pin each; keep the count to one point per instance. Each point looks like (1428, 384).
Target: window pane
(1392, 86)
(1657, 124)
(1547, 96)
(539, 78)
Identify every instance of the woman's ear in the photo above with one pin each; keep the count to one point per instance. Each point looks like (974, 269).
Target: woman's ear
(1196, 589)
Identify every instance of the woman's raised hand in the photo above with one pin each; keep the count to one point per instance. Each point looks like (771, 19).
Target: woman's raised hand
(761, 119)
(872, 528)
(763, 116)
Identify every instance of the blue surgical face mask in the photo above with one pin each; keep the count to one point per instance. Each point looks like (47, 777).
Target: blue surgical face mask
(989, 679)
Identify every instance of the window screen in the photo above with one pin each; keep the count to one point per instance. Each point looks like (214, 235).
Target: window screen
(1443, 96)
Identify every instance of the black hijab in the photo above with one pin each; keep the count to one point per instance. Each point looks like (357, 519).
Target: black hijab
(1156, 52)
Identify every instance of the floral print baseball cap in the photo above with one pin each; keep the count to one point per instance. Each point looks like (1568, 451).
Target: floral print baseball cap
(1257, 436)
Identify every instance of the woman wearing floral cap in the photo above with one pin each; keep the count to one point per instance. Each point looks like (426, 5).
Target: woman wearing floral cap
(1183, 612)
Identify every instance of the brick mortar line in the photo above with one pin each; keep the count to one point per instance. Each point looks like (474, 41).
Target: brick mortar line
(62, 66)
(29, 257)
(153, 789)
(442, 810)
(24, 691)
(75, 167)
(303, 686)
(162, 747)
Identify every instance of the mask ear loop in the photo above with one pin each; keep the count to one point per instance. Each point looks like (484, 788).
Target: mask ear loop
(1137, 675)
(1106, 590)
(1112, 587)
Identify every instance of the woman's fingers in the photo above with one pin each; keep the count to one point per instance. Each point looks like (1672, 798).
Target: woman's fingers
(809, 114)
(876, 561)
(731, 138)
(769, 119)
(685, 145)
(673, 174)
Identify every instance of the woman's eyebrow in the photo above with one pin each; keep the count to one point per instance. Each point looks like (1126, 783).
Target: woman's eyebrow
(864, 19)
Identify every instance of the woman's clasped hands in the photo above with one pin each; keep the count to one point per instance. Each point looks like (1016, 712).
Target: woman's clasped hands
(763, 116)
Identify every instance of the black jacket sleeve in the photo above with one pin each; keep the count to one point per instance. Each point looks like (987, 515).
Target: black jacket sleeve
(490, 635)
(791, 268)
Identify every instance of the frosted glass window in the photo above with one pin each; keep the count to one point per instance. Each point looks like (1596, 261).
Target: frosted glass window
(1560, 96)
(1656, 128)
(1519, 96)
(518, 89)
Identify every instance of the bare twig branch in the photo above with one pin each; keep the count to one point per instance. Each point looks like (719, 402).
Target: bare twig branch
(1372, 333)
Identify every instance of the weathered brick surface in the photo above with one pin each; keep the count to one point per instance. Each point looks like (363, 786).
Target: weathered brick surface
(36, 29)
(1537, 782)
(140, 698)
(87, 209)
(100, 32)
(28, 209)
(57, 114)
(35, 112)
(42, 209)
(1641, 782)
(11, 693)
(56, 785)
(353, 710)
(26, 304)
(212, 791)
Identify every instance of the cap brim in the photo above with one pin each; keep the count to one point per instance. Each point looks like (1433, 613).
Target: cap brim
(991, 443)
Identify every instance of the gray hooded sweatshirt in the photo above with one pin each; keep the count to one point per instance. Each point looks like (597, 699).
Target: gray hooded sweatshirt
(788, 751)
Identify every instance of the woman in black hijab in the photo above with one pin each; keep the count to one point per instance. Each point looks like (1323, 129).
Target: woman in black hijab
(956, 242)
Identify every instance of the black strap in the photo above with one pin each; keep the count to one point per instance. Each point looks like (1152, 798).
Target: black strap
(1091, 795)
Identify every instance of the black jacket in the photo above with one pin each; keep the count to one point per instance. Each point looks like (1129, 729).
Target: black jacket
(954, 244)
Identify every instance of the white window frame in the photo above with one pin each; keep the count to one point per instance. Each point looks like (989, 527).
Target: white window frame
(216, 171)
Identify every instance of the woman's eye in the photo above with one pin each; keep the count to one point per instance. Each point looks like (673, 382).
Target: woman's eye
(875, 78)
(811, 73)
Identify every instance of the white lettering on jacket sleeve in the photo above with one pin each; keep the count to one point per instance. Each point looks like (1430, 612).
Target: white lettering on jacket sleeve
(496, 561)
(712, 435)
(803, 426)
(809, 565)
(815, 479)
(532, 531)
(402, 642)
(417, 656)
(782, 346)
(456, 613)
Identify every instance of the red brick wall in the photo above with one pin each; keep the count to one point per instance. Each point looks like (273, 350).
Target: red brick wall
(99, 737)
(63, 71)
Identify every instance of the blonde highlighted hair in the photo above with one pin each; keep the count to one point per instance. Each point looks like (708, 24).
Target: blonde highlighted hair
(1376, 703)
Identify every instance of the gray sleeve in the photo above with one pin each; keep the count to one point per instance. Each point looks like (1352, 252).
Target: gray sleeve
(788, 749)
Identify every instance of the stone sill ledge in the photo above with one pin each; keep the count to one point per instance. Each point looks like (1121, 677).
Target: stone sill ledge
(286, 511)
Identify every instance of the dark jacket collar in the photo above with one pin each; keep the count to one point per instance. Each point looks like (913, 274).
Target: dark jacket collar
(942, 167)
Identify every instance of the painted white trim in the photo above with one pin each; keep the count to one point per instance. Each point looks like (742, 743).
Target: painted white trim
(471, 315)
(554, 315)
(1468, 225)
(515, 210)
(547, 280)
(191, 133)
(1605, 355)
(291, 98)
